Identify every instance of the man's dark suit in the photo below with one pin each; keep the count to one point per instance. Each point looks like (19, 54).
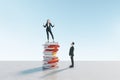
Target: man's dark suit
(71, 53)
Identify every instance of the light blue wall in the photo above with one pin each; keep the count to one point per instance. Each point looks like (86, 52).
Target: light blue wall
(94, 26)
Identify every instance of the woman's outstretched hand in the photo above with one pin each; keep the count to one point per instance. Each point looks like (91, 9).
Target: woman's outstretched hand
(43, 25)
(53, 25)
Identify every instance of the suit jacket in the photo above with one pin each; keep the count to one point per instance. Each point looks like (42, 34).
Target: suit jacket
(48, 27)
(71, 51)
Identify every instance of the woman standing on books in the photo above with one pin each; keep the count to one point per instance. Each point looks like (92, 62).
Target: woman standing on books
(48, 26)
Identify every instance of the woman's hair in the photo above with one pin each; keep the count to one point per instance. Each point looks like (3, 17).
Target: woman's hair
(48, 20)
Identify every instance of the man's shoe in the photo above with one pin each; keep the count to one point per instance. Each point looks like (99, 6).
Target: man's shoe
(71, 66)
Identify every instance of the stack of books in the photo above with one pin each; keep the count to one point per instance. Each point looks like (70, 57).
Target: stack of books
(50, 58)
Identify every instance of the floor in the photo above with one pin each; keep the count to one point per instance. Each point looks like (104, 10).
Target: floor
(83, 70)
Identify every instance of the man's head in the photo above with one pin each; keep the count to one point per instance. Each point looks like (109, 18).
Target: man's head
(72, 43)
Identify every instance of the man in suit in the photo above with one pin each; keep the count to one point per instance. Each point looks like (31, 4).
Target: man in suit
(48, 26)
(71, 54)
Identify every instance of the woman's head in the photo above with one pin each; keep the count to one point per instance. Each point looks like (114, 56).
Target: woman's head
(48, 20)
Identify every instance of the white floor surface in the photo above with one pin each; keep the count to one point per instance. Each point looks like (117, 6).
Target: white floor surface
(83, 70)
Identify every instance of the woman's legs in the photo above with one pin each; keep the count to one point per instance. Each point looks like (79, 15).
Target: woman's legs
(51, 34)
(47, 35)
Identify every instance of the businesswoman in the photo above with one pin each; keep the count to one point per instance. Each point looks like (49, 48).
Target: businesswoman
(48, 26)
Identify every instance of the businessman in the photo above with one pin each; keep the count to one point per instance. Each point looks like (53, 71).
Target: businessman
(71, 54)
(48, 26)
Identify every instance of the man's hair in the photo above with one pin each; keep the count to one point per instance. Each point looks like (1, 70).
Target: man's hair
(73, 43)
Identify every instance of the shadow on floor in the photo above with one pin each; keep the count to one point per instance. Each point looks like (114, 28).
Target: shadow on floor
(54, 72)
(33, 70)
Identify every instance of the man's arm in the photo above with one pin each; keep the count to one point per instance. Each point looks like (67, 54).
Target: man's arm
(71, 51)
